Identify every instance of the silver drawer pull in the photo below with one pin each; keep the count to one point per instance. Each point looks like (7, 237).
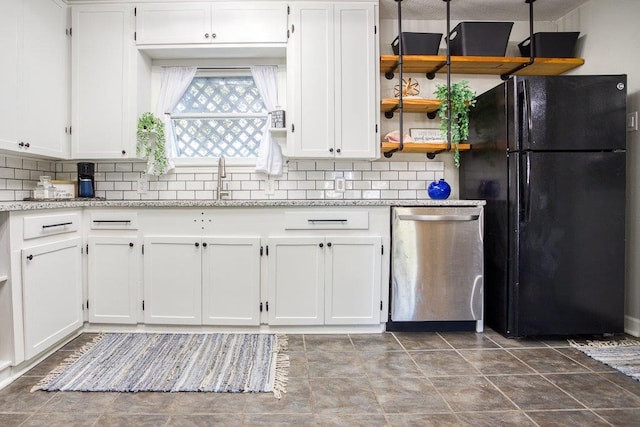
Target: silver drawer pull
(62, 224)
(327, 220)
(112, 220)
(439, 217)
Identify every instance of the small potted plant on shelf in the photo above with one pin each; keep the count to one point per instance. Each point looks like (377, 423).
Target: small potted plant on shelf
(461, 99)
(151, 144)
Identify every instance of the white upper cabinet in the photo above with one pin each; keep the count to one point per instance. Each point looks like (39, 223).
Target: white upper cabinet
(332, 69)
(103, 75)
(34, 90)
(218, 22)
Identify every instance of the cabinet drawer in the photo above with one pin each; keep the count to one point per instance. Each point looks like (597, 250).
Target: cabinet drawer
(48, 225)
(330, 220)
(113, 220)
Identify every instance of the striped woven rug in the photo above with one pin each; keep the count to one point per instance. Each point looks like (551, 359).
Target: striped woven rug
(622, 355)
(132, 362)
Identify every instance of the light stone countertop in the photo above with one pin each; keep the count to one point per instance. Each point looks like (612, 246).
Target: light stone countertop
(75, 203)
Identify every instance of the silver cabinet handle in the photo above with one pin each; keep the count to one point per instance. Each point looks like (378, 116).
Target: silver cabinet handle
(439, 217)
(112, 220)
(327, 220)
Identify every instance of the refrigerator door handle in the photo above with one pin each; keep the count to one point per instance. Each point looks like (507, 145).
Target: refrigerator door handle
(526, 190)
(526, 94)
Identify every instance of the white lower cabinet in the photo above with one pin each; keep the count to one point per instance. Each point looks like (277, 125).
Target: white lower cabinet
(319, 280)
(172, 280)
(231, 281)
(52, 293)
(295, 281)
(202, 280)
(352, 281)
(113, 266)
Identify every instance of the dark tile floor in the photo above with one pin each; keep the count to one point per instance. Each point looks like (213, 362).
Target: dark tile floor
(399, 379)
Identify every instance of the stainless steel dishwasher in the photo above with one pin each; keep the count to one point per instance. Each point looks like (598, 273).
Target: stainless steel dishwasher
(437, 264)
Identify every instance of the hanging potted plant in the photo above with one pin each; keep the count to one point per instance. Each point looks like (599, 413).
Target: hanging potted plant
(151, 144)
(461, 99)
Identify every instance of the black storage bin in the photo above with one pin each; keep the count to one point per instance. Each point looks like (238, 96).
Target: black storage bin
(550, 45)
(479, 38)
(417, 43)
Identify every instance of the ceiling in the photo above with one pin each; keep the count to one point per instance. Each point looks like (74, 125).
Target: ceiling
(496, 10)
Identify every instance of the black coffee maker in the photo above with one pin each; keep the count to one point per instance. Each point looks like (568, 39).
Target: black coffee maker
(86, 181)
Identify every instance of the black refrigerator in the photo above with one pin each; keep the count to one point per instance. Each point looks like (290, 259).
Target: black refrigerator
(548, 156)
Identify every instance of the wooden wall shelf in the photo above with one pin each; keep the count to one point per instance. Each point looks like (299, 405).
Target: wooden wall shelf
(421, 147)
(410, 105)
(490, 65)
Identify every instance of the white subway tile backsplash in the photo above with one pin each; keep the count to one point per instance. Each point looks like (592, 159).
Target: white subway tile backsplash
(379, 185)
(7, 173)
(124, 167)
(105, 167)
(371, 176)
(325, 165)
(315, 175)
(362, 166)
(194, 185)
(301, 179)
(389, 175)
(380, 166)
(304, 165)
(176, 185)
(12, 162)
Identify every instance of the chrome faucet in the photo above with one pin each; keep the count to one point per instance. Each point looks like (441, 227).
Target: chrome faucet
(222, 173)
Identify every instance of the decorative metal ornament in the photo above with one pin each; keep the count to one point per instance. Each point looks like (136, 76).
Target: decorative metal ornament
(410, 87)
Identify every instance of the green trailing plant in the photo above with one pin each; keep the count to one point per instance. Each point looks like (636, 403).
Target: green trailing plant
(151, 144)
(462, 99)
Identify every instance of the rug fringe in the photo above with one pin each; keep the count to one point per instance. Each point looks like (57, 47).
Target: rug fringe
(44, 382)
(604, 344)
(282, 366)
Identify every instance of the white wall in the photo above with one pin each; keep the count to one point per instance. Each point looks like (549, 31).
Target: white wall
(609, 43)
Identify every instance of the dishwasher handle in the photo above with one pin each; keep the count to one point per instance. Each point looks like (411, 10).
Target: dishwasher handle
(439, 217)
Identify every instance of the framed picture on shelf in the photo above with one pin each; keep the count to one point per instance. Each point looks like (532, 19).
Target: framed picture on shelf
(425, 134)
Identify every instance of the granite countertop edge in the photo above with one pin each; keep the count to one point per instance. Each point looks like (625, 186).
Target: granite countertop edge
(59, 204)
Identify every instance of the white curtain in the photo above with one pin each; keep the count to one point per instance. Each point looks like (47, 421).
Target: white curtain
(269, 159)
(175, 81)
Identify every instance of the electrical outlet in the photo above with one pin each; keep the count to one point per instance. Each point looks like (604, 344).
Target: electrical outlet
(340, 185)
(143, 185)
(632, 121)
(269, 187)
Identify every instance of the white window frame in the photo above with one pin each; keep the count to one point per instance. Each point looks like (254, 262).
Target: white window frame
(204, 164)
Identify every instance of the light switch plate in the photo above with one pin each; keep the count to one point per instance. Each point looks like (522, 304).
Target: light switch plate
(142, 185)
(340, 185)
(269, 187)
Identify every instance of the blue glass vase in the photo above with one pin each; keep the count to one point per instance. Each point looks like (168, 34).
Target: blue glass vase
(439, 190)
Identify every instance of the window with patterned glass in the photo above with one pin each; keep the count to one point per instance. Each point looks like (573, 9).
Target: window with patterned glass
(219, 115)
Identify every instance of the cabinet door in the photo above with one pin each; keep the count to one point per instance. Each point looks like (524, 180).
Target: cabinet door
(355, 82)
(52, 293)
(43, 80)
(9, 13)
(352, 284)
(311, 73)
(295, 280)
(249, 22)
(173, 23)
(172, 280)
(113, 271)
(102, 113)
(231, 281)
